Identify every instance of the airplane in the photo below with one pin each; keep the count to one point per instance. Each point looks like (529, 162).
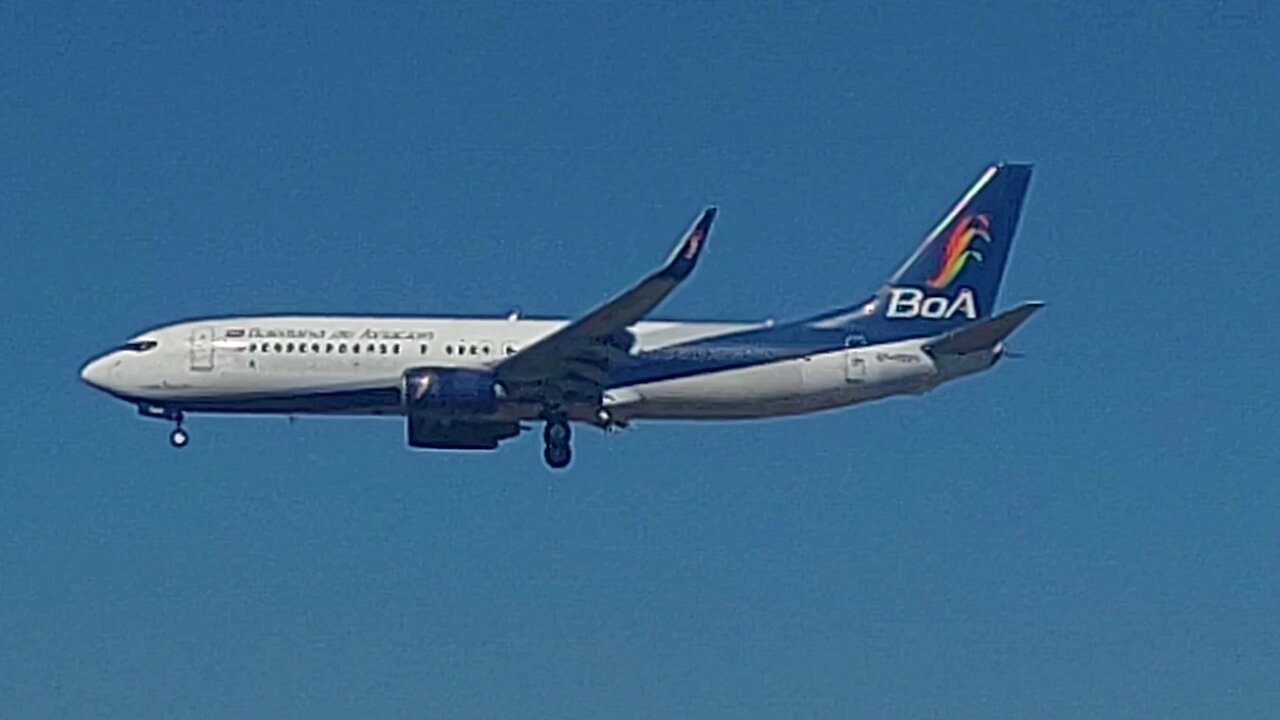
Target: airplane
(467, 383)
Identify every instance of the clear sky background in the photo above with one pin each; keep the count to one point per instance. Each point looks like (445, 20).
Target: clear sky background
(1090, 532)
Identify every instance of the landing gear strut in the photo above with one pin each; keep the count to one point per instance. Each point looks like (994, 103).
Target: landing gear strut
(179, 437)
(556, 437)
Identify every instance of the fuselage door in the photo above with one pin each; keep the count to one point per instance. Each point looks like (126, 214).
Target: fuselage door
(202, 349)
(855, 364)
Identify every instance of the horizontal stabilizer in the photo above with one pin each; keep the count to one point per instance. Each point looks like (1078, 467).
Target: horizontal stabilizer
(985, 334)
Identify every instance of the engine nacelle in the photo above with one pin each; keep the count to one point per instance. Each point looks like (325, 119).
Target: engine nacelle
(449, 391)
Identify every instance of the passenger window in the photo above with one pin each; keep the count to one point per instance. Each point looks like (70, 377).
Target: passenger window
(355, 347)
(315, 347)
(484, 349)
(369, 348)
(422, 349)
(448, 349)
(253, 347)
(342, 348)
(288, 348)
(328, 347)
(396, 348)
(279, 347)
(302, 347)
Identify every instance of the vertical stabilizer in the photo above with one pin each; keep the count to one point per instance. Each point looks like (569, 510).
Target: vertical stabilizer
(954, 276)
(963, 258)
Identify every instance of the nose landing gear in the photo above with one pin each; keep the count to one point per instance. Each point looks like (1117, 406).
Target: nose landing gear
(556, 438)
(179, 437)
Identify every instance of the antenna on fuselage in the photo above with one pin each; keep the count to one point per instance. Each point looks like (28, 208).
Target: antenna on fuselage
(513, 314)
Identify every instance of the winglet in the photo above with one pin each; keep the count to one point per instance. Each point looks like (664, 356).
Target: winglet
(685, 256)
(984, 334)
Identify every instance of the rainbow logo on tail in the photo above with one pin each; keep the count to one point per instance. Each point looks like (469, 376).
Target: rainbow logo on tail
(957, 251)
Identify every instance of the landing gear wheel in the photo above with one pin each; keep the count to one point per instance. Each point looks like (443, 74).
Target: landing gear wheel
(179, 438)
(556, 437)
(558, 457)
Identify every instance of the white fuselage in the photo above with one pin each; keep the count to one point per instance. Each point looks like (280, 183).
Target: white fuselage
(280, 363)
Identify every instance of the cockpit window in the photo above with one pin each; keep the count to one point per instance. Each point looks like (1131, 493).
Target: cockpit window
(139, 346)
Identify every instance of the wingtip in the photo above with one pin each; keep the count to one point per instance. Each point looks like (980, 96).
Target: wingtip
(690, 246)
(1015, 166)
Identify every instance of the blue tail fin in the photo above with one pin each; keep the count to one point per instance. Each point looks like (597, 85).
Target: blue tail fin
(966, 253)
(954, 276)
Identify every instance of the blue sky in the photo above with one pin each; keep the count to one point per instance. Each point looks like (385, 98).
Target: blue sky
(1087, 533)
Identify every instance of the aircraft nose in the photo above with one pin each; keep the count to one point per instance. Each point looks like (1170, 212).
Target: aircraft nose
(97, 372)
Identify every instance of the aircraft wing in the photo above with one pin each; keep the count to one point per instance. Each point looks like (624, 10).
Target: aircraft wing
(984, 334)
(573, 363)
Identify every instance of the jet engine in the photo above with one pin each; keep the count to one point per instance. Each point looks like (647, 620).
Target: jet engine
(449, 391)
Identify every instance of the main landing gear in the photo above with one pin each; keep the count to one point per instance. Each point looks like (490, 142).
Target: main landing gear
(556, 437)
